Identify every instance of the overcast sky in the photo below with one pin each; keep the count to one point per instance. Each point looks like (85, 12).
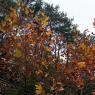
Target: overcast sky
(83, 11)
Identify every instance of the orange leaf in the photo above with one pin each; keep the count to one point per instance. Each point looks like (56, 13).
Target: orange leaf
(49, 33)
(29, 26)
(18, 44)
(81, 65)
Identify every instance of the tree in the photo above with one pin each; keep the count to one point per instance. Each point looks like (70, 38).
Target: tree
(5, 8)
(27, 43)
(64, 29)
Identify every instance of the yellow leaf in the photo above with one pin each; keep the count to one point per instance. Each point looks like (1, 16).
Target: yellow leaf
(39, 72)
(22, 4)
(17, 53)
(26, 10)
(13, 12)
(45, 23)
(46, 19)
(4, 24)
(13, 16)
(18, 2)
(48, 49)
(82, 45)
(38, 89)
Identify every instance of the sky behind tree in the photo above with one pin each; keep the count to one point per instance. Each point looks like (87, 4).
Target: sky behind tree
(81, 10)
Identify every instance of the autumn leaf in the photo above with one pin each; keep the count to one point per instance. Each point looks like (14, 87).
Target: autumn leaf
(18, 44)
(28, 26)
(81, 82)
(18, 2)
(48, 49)
(45, 21)
(81, 65)
(38, 89)
(49, 33)
(17, 53)
(39, 72)
(93, 47)
(26, 10)
(82, 45)
(13, 17)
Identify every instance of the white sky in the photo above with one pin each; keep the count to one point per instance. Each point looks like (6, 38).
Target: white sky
(83, 11)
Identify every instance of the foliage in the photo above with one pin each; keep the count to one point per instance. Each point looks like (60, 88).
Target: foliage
(32, 48)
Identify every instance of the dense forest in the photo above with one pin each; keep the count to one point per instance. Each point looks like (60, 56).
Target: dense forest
(42, 52)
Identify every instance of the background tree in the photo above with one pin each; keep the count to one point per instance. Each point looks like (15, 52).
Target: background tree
(5, 7)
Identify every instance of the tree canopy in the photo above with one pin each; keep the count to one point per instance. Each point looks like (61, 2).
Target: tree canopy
(42, 52)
